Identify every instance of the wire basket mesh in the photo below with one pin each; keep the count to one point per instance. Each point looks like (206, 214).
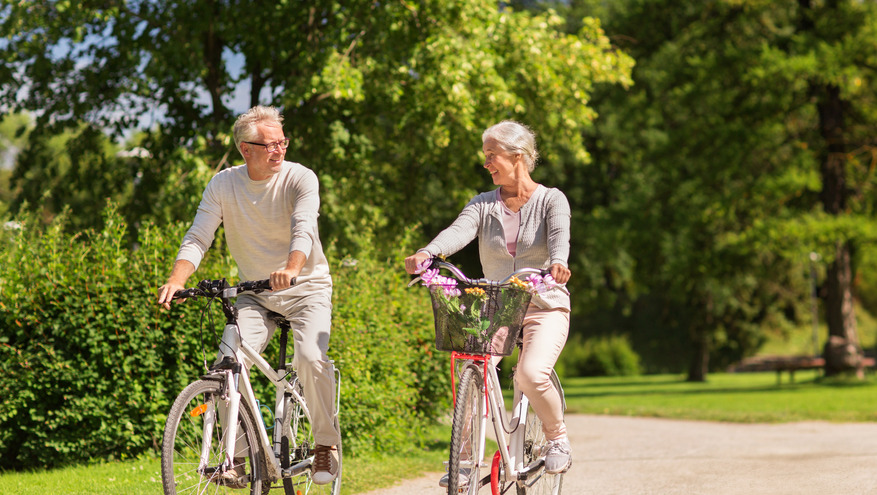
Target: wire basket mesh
(486, 320)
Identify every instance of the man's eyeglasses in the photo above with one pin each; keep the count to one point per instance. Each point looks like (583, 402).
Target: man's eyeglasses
(272, 147)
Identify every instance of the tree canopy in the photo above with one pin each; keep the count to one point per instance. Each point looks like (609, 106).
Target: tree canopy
(718, 157)
(386, 101)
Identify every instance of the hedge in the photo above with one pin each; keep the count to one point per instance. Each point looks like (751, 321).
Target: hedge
(92, 364)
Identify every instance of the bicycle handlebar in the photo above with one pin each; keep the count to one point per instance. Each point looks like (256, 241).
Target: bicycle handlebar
(220, 287)
(436, 262)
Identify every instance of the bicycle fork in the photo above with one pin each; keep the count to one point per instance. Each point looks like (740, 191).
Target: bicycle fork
(232, 379)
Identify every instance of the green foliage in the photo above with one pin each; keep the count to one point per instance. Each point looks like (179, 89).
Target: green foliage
(598, 356)
(82, 169)
(93, 364)
(707, 193)
(385, 101)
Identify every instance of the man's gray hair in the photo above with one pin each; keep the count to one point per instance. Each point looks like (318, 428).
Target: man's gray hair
(514, 137)
(245, 125)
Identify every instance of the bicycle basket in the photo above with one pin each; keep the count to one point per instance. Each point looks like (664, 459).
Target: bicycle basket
(488, 322)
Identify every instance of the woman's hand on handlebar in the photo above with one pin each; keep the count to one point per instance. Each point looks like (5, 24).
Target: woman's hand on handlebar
(559, 273)
(414, 262)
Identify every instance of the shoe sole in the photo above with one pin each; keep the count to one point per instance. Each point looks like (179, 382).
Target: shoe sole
(562, 471)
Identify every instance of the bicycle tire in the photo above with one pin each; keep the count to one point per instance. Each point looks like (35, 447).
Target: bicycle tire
(534, 448)
(183, 438)
(297, 446)
(466, 433)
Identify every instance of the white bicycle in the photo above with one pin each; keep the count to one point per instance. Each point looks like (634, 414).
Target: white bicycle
(477, 319)
(198, 448)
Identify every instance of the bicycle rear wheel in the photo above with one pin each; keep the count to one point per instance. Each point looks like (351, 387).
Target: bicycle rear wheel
(297, 447)
(194, 419)
(534, 448)
(465, 456)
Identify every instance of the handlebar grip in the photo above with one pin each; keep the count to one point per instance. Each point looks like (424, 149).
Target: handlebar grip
(185, 293)
(258, 285)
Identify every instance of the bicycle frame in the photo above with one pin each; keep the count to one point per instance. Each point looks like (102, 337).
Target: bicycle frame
(242, 389)
(510, 451)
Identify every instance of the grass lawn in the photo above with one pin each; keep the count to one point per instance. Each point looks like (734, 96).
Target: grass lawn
(362, 473)
(744, 397)
(741, 397)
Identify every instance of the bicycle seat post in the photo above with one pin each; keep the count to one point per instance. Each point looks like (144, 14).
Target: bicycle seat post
(283, 325)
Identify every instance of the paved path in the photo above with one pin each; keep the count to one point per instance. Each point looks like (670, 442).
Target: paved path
(646, 456)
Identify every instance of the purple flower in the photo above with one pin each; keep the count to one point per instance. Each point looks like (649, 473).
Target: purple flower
(448, 284)
(452, 292)
(541, 284)
(423, 266)
(428, 275)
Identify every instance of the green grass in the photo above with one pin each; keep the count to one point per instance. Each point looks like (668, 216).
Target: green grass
(362, 473)
(743, 397)
(799, 340)
(137, 477)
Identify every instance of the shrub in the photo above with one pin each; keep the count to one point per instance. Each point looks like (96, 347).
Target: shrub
(599, 356)
(93, 364)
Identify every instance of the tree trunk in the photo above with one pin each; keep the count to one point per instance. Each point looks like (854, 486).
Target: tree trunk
(700, 329)
(700, 358)
(843, 354)
(216, 75)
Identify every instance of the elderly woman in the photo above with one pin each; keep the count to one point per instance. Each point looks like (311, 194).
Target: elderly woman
(521, 224)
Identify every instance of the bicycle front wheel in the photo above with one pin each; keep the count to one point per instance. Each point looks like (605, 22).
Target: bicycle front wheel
(298, 446)
(192, 429)
(465, 457)
(535, 446)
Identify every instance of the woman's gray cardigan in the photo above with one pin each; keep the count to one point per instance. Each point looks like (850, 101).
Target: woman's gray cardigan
(543, 239)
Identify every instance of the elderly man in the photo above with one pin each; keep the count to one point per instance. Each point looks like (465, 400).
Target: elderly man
(269, 209)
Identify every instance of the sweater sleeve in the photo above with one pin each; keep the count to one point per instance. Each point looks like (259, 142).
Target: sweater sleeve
(200, 235)
(306, 198)
(460, 233)
(557, 220)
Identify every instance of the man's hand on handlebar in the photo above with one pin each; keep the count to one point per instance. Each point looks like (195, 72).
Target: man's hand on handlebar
(282, 279)
(166, 293)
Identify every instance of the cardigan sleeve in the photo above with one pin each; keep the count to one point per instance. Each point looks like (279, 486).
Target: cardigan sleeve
(461, 232)
(557, 220)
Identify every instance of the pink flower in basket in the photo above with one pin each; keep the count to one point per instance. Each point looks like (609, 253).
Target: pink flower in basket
(432, 277)
(539, 284)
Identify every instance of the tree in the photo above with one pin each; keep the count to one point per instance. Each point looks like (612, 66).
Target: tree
(718, 164)
(837, 38)
(385, 100)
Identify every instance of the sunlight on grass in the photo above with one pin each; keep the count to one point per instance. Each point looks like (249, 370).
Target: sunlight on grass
(743, 397)
(138, 477)
(362, 473)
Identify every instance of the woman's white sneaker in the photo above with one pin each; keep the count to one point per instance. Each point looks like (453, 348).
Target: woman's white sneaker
(558, 456)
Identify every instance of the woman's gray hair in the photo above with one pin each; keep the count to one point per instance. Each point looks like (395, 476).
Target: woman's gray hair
(245, 125)
(514, 137)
